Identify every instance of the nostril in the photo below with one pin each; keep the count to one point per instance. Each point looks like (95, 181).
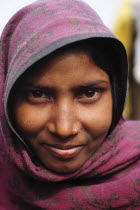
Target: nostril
(63, 137)
(63, 130)
(65, 134)
(51, 127)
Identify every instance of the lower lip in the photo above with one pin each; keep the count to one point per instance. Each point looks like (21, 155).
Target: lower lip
(64, 153)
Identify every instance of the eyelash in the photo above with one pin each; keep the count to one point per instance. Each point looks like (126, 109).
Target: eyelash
(38, 94)
(84, 95)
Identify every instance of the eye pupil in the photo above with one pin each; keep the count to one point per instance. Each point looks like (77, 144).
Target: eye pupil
(37, 94)
(89, 93)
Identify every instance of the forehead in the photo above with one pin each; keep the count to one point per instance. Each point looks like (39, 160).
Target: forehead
(67, 67)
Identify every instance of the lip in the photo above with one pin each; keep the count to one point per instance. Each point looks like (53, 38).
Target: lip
(64, 152)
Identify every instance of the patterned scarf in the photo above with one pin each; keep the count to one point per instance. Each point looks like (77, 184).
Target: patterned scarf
(110, 178)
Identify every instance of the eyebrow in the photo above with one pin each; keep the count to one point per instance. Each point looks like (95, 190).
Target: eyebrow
(94, 83)
(42, 87)
(47, 87)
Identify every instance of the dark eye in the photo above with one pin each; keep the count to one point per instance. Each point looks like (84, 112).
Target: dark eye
(38, 93)
(37, 96)
(89, 95)
(89, 92)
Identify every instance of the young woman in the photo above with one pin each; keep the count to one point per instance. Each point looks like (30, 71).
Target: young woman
(64, 143)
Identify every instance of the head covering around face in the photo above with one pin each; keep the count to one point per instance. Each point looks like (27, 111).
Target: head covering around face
(110, 178)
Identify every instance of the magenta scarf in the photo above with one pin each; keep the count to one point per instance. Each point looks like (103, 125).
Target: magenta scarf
(110, 179)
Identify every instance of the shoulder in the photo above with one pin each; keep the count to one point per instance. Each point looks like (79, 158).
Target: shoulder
(126, 134)
(127, 128)
(131, 129)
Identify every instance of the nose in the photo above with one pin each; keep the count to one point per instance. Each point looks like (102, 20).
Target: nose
(63, 121)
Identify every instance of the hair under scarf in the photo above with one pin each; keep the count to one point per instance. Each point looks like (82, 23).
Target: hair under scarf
(110, 178)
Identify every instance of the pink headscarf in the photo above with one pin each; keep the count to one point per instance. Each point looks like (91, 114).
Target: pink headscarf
(110, 178)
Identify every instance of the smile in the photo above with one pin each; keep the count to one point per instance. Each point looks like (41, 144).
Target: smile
(64, 152)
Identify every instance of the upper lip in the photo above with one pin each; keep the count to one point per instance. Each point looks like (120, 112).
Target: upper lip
(64, 147)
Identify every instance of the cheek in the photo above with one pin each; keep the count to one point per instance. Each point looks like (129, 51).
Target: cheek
(29, 119)
(97, 119)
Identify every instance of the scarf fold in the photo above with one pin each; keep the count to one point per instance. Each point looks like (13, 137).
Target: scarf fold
(110, 178)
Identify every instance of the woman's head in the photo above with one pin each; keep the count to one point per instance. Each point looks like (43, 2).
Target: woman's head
(68, 34)
(63, 106)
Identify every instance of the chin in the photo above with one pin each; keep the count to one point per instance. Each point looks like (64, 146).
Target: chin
(65, 169)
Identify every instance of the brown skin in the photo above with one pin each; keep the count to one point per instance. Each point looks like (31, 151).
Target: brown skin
(64, 114)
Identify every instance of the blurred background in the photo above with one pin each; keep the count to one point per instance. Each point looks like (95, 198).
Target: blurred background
(123, 18)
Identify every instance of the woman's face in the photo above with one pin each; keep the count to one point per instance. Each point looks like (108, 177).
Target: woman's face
(64, 111)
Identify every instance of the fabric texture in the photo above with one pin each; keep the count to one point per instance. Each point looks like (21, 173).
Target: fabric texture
(110, 178)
